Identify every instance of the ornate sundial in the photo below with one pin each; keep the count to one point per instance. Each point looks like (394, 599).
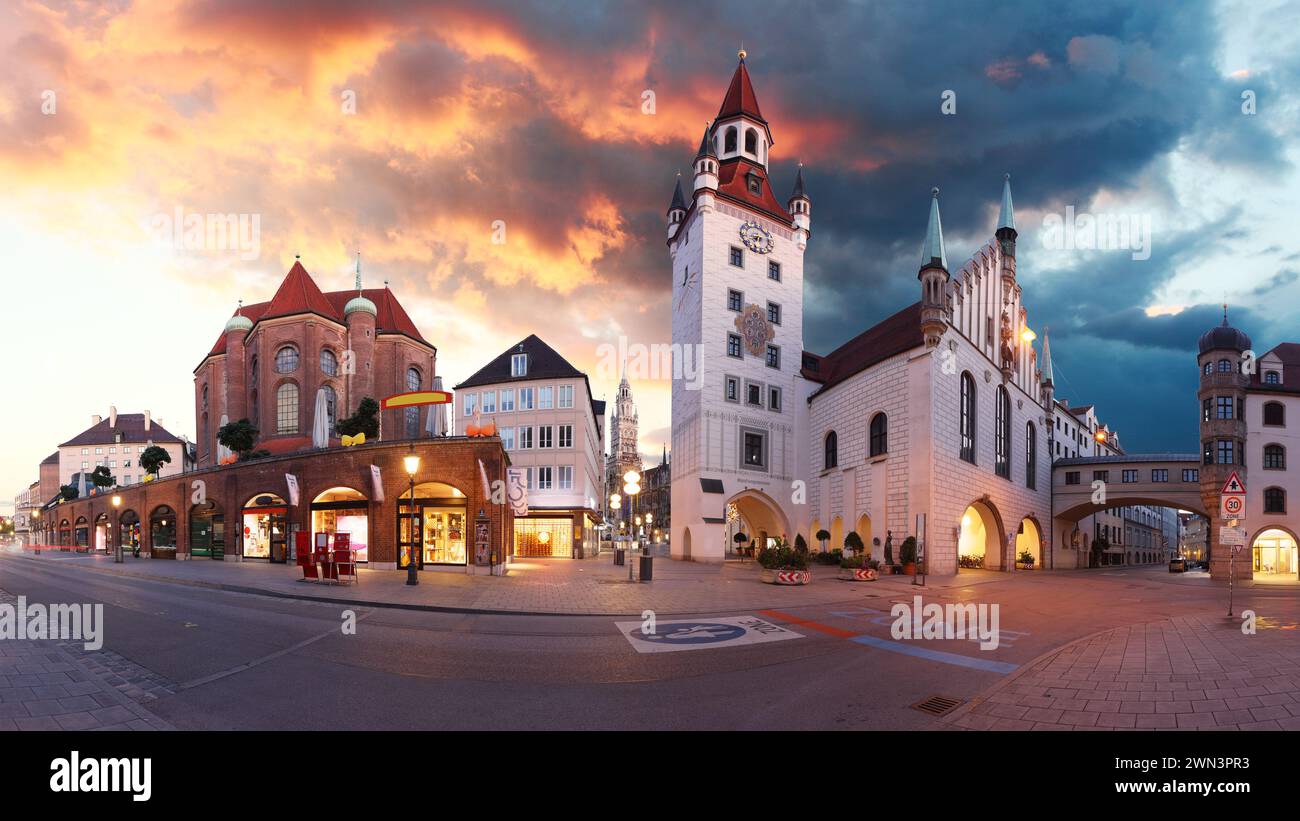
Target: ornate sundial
(754, 329)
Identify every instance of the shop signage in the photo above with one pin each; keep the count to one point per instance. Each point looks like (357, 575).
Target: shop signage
(292, 482)
(1232, 535)
(376, 484)
(517, 490)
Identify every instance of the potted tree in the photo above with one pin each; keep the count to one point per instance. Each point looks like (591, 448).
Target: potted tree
(153, 459)
(740, 538)
(859, 568)
(853, 545)
(782, 564)
(907, 555)
(1025, 560)
(823, 536)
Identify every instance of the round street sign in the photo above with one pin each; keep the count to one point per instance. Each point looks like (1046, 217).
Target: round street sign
(1233, 506)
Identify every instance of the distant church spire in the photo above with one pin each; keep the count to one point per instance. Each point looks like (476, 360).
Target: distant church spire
(1007, 215)
(1046, 368)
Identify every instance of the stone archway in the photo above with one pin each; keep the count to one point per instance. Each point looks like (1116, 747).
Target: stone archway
(760, 517)
(980, 534)
(837, 534)
(863, 529)
(1273, 554)
(686, 545)
(1030, 539)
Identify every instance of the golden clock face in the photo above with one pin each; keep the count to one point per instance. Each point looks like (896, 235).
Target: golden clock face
(755, 237)
(754, 329)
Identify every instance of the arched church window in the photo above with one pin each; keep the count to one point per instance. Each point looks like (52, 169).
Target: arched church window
(968, 417)
(879, 434)
(1031, 456)
(329, 363)
(286, 359)
(729, 140)
(1002, 433)
(286, 408)
(832, 451)
(1225, 366)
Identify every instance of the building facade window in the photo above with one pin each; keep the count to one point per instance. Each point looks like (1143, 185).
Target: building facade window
(565, 477)
(774, 313)
(566, 436)
(526, 437)
(1272, 378)
(1207, 452)
(736, 257)
(566, 396)
(331, 407)
(507, 400)
(1002, 434)
(774, 270)
(286, 359)
(286, 408)
(1191, 475)
(1031, 456)
(519, 364)
(831, 456)
(470, 403)
(525, 399)
(1274, 500)
(1274, 457)
(1223, 407)
(732, 393)
(1072, 477)
(1128, 476)
(545, 436)
(774, 399)
(545, 397)
(329, 363)
(968, 417)
(754, 394)
(488, 401)
(735, 300)
(878, 442)
(1225, 366)
(1160, 475)
(1226, 452)
(753, 449)
(733, 346)
(1101, 476)
(773, 356)
(1275, 414)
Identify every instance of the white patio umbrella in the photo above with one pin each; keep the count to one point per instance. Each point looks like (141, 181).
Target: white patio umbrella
(223, 452)
(437, 425)
(320, 424)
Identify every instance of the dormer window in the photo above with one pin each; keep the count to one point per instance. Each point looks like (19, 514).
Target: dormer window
(519, 364)
(1272, 378)
(755, 184)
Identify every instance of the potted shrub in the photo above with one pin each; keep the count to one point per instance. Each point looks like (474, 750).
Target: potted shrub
(739, 539)
(1026, 560)
(853, 544)
(783, 564)
(800, 543)
(858, 569)
(971, 561)
(831, 557)
(907, 555)
(823, 536)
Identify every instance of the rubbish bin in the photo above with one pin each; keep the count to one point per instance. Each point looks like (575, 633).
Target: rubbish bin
(647, 567)
(620, 556)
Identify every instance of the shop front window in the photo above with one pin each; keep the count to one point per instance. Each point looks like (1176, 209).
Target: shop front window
(162, 529)
(544, 538)
(343, 511)
(264, 528)
(438, 528)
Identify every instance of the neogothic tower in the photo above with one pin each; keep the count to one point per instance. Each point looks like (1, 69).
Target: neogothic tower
(739, 404)
(624, 452)
(1223, 430)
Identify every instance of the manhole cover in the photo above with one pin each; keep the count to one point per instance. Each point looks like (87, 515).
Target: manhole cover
(937, 705)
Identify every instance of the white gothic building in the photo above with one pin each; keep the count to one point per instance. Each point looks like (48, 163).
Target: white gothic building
(939, 411)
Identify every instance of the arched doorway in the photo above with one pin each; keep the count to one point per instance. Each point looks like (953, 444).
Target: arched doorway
(343, 511)
(264, 530)
(837, 534)
(162, 533)
(101, 533)
(81, 535)
(1274, 554)
(65, 533)
(437, 530)
(759, 517)
(207, 530)
(1029, 540)
(813, 542)
(686, 544)
(979, 542)
(129, 526)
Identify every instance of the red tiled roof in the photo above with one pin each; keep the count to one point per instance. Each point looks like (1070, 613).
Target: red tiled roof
(740, 99)
(298, 294)
(733, 184)
(1289, 353)
(889, 337)
(130, 425)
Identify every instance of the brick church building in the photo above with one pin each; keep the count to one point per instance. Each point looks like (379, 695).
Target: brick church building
(272, 358)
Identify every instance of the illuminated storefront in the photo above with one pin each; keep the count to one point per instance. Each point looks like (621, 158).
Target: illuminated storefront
(81, 534)
(265, 534)
(343, 510)
(544, 537)
(441, 528)
(130, 525)
(162, 533)
(101, 532)
(1274, 554)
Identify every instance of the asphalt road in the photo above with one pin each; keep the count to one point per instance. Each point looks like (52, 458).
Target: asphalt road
(237, 661)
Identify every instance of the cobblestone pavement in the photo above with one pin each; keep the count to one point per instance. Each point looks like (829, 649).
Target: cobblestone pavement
(57, 685)
(1184, 673)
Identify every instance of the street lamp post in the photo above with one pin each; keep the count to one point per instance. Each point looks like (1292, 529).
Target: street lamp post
(412, 463)
(117, 503)
(649, 526)
(631, 486)
(36, 531)
(615, 503)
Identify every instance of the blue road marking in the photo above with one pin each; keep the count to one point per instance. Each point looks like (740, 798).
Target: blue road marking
(909, 649)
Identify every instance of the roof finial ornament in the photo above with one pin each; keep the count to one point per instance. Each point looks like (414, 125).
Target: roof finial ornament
(358, 272)
(297, 257)
(742, 54)
(934, 192)
(240, 309)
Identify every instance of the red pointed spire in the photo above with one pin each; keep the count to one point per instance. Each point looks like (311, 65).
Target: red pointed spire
(740, 97)
(298, 294)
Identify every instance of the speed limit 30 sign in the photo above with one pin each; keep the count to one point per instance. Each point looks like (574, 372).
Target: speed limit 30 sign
(1233, 507)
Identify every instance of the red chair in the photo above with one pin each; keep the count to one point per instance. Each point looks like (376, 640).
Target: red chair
(323, 559)
(308, 565)
(345, 564)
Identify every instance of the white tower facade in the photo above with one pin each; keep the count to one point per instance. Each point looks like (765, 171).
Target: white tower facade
(739, 404)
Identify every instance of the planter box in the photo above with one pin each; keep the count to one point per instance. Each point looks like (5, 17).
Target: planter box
(857, 574)
(785, 576)
(1025, 565)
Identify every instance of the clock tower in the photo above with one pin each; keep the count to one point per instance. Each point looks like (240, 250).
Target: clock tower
(739, 403)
